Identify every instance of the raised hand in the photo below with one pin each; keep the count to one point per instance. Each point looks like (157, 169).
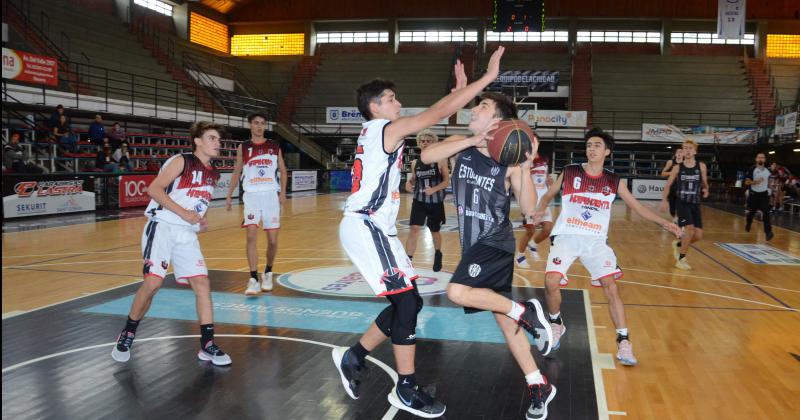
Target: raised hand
(461, 76)
(493, 69)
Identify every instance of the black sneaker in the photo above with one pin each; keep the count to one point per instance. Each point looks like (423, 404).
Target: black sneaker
(122, 351)
(350, 370)
(437, 261)
(541, 395)
(417, 401)
(770, 235)
(212, 353)
(535, 323)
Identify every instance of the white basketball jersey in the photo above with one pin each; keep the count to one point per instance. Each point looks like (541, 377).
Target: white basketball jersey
(586, 202)
(260, 166)
(191, 190)
(376, 178)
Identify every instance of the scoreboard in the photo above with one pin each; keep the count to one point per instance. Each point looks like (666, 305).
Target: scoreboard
(518, 16)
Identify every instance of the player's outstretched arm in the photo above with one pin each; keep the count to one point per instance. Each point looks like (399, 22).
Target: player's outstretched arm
(237, 173)
(158, 190)
(397, 131)
(636, 206)
(455, 144)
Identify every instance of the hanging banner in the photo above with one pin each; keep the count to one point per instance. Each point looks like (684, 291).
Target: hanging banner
(350, 115)
(35, 195)
(730, 19)
(533, 80)
(786, 124)
(700, 134)
(31, 68)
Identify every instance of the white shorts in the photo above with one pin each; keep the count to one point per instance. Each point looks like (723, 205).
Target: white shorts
(380, 258)
(262, 207)
(548, 217)
(163, 244)
(595, 254)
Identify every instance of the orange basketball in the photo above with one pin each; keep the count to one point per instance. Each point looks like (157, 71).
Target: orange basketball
(512, 139)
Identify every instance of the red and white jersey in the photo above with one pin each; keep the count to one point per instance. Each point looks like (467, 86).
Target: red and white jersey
(539, 175)
(260, 166)
(191, 190)
(586, 202)
(376, 178)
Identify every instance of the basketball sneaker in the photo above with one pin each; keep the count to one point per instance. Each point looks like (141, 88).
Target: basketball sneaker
(212, 353)
(417, 401)
(541, 395)
(521, 261)
(437, 261)
(350, 370)
(676, 250)
(533, 320)
(558, 331)
(266, 282)
(252, 287)
(683, 264)
(534, 252)
(625, 353)
(122, 351)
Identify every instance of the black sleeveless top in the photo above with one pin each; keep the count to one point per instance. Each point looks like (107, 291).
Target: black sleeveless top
(482, 202)
(427, 176)
(689, 180)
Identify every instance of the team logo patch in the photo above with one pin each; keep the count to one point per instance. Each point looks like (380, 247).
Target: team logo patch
(201, 263)
(606, 190)
(209, 181)
(198, 208)
(495, 170)
(262, 172)
(591, 188)
(474, 270)
(557, 261)
(164, 265)
(586, 215)
(148, 263)
(251, 217)
(607, 263)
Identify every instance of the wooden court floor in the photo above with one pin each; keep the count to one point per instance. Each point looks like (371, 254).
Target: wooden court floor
(719, 342)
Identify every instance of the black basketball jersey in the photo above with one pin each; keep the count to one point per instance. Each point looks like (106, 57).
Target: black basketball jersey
(427, 176)
(689, 180)
(482, 202)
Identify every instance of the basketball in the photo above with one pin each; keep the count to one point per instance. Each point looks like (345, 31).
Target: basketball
(512, 139)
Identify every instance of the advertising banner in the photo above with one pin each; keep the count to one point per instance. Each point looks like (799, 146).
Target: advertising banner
(648, 189)
(351, 115)
(221, 189)
(304, 180)
(341, 180)
(27, 67)
(133, 190)
(540, 118)
(35, 195)
(761, 254)
(533, 80)
(786, 124)
(701, 134)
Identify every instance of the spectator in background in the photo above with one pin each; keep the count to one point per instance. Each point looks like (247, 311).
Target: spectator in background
(55, 116)
(15, 157)
(778, 179)
(117, 136)
(97, 131)
(63, 133)
(105, 160)
(123, 157)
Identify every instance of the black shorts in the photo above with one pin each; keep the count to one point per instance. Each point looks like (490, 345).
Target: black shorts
(433, 212)
(689, 214)
(485, 267)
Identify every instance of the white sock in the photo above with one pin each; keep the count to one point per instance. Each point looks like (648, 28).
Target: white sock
(516, 311)
(622, 331)
(555, 316)
(534, 378)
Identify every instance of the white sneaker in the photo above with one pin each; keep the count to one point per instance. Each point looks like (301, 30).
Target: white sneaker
(266, 282)
(252, 287)
(214, 354)
(682, 264)
(521, 261)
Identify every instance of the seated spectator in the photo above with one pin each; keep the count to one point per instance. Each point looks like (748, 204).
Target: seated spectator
(123, 157)
(16, 158)
(63, 133)
(105, 160)
(97, 130)
(117, 136)
(55, 116)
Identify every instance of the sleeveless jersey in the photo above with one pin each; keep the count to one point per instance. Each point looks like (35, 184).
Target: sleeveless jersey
(539, 175)
(260, 166)
(586, 202)
(427, 176)
(376, 178)
(482, 201)
(192, 190)
(689, 180)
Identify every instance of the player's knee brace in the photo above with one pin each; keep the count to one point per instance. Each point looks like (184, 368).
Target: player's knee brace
(385, 319)
(404, 322)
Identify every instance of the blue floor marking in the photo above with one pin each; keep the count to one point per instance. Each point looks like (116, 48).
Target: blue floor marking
(348, 316)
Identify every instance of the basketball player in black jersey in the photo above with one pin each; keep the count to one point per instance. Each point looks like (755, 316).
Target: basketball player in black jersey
(427, 183)
(677, 159)
(691, 177)
(482, 280)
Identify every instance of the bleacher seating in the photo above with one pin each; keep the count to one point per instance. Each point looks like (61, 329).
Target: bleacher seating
(699, 90)
(786, 76)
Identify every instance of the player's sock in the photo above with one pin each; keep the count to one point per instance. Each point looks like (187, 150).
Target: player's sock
(407, 381)
(681, 256)
(254, 275)
(622, 331)
(131, 325)
(359, 352)
(534, 378)
(555, 318)
(516, 311)
(268, 269)
(206, 334)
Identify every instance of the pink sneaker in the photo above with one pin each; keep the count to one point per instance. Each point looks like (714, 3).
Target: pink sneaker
(625, 353)
(558, 332)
